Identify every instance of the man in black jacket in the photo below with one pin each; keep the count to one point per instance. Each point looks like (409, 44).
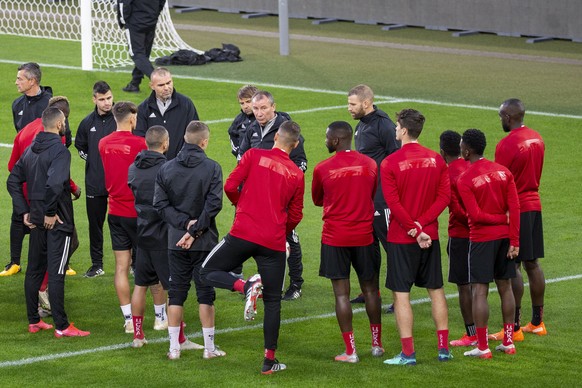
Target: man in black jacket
(139, 19)
(375, 137)
(93, 128)
(168, 108)
(151, 264)
(244, 119)
(35, 97)
(188, 196)
(261, 134)
(45, 167)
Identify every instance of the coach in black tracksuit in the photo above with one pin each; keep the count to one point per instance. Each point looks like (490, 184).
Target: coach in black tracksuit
(254, 138)
(91, 130)
(26, 109)
(175, 118)
(45, 167)
(139, 19)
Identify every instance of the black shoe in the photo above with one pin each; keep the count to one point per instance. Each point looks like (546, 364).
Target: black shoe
(131, 88)
(292, 293)
(358, 299)
(93, 272)
(390, 309)
(272, 366)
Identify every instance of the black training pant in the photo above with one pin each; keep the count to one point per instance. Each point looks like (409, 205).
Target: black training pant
(295, 260)
(48, 251)
(17, 232)
(96, 213)
(232, 252)
(140, 47)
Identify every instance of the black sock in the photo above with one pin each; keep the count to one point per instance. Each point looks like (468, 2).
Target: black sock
(517, 324)
(470, 329)
(537, 315)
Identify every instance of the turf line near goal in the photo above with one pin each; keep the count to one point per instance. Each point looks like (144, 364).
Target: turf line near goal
(314, 90)
(56, 356)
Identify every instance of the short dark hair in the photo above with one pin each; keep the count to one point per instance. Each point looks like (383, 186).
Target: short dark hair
(61, 103)
(50, 116)
(514, 107)
(32, 71)
(122, 110)
(196, 132)
(412, 120)
(247, 91)
(341, 129)
(260, 94)
(450, 143)
(475, 140)
(101, 87)
(155, 137)
(289, 132)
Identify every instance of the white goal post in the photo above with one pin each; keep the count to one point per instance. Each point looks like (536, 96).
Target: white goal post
(91, 22)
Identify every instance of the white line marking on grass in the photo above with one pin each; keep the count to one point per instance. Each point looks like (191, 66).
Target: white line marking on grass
(56, 356)
(314, 90)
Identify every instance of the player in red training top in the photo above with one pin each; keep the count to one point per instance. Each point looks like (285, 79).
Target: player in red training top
(416, 187)
(458, 245)
(269, 206)
(118, 151)
(522, 152)
(345, 185)
(488, 194)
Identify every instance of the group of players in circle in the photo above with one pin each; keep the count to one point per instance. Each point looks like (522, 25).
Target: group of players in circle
(147, 170)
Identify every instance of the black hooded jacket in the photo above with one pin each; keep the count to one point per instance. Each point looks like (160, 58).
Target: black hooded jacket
(45, 167)
(152, 231)
(189, 187)
(253, 139)
(139, 15)
(237, 130)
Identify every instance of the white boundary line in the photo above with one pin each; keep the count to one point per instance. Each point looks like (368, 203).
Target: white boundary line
(315, 90)
(51, 357)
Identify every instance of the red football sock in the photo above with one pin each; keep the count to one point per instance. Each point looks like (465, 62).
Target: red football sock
(239, 286)
(507, 334)
(376, 330)
(349, 342)
(482, 341)
(407, 345)
(181, 336)
(443, 337)
(137, 327)
(270, 354)
(44, 283)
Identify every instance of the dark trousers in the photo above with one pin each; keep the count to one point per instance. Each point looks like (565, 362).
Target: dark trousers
(48, 251)
(96, 213)
(17, 232)
(295, 260)
(380, 226)
(232, 252)
(140, 48)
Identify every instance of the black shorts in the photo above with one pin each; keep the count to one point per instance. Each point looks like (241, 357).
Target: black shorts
(458, 251)
(335, 262)
(185, 267)
(488, 261)
(152, 267)
(408, 264)
(123, 232)
(531, 237)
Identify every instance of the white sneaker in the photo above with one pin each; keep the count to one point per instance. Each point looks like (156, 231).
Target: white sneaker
(138, 343)
(189, 345)
(377, 351)
(509, 349)
(214, 353)
(479, 353)
(43, 300)
(174, 354)
(160, 324)
(351, 358)
(128, 326)
(253, 290)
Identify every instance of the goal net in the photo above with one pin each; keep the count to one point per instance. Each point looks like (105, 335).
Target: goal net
(91, 22)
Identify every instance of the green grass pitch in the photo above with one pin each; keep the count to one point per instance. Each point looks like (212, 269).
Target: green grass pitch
(453, 91)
